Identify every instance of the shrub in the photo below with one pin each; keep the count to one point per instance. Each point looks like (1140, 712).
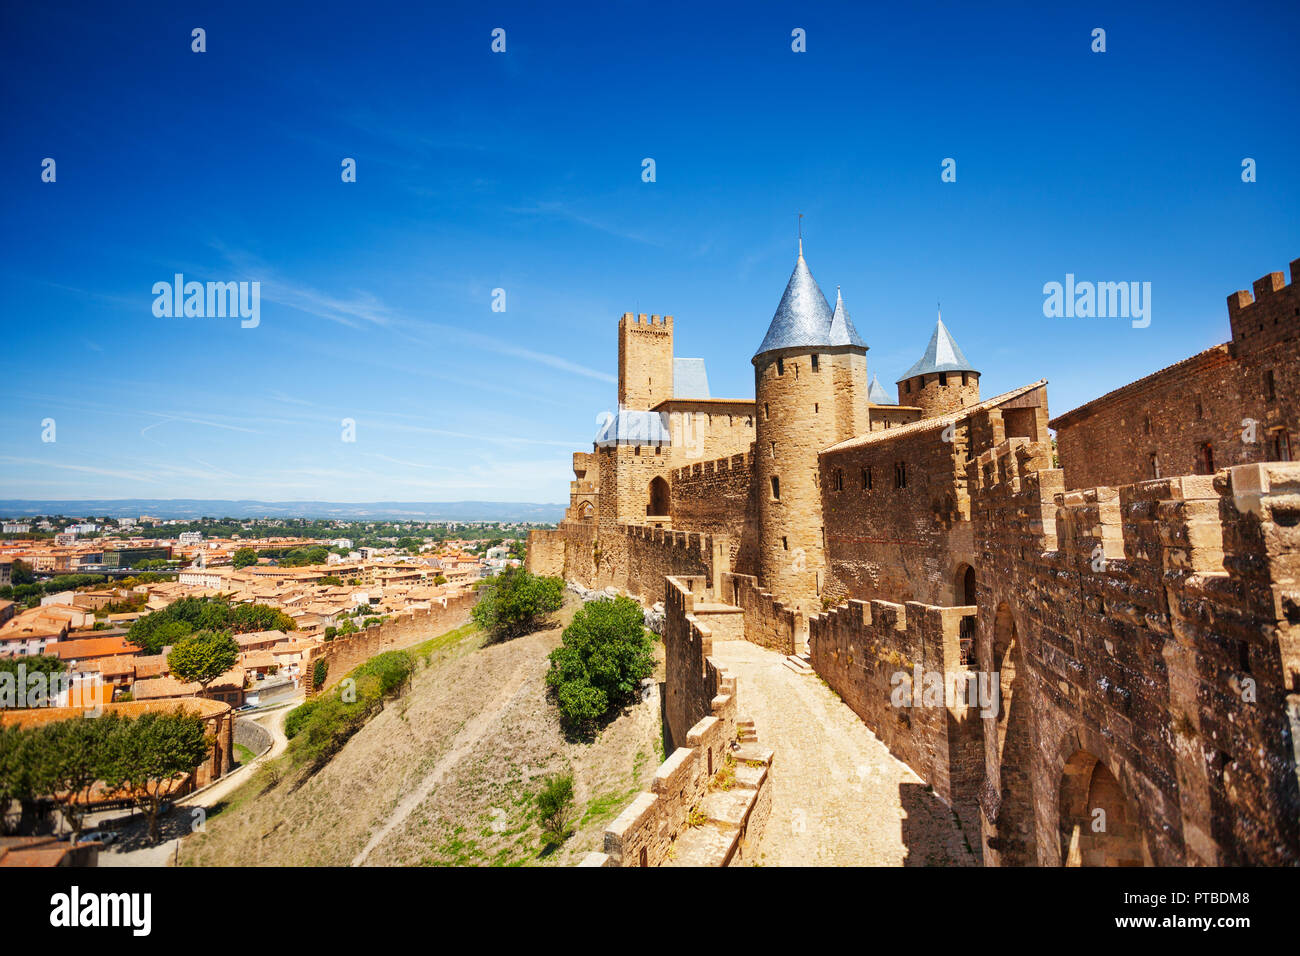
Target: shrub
(555, 805)
(512, 603)
(604, 656)
(319, 671)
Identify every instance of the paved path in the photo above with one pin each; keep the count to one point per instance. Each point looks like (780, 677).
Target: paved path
(839, 798)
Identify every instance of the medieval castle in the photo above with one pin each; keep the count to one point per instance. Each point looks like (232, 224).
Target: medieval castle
(1132, 588)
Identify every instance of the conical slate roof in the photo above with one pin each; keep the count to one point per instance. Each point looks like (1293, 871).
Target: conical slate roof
(803, 318)
(941, 355)
(842, 330)
(876, 393)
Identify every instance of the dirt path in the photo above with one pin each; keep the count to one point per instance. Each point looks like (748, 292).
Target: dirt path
(474, 730)
(839, 798)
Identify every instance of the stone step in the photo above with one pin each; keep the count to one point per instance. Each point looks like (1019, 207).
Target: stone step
(798, 665)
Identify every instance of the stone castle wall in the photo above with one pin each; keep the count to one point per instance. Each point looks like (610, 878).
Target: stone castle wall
(717, 497)
(767, 622)
(899, 669)
(1209, 398)
(1151, 630)
(546, 552)
(685, 818)
(344, 653)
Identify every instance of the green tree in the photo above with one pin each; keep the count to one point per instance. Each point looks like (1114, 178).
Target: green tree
(244, 557)
(148, 755)
(22, 573)
(555, 807)
(514, 601)
(203, 657)
(604, 655)
(73, 755)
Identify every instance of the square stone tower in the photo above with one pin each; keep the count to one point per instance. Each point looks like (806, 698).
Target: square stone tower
(645, 360)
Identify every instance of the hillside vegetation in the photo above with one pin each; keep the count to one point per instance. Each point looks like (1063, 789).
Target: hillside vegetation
(446, 774)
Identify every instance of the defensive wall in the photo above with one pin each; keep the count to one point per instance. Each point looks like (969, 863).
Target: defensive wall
(402, 630)
(900, 669)
(710, 799)
(1235, 403)
(717, 497)
(1147, 642)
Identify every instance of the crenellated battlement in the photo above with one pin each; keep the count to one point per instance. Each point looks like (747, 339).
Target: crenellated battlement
(1272, 307)
(653, 322)
(719, 466)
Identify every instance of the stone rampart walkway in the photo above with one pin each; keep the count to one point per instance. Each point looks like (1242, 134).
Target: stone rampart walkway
(839, 797)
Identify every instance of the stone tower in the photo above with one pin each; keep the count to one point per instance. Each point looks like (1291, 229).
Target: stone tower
(810, 386)
(645, 360)
(942, 380)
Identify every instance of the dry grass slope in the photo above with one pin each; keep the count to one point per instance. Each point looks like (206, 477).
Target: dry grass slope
(446, 774)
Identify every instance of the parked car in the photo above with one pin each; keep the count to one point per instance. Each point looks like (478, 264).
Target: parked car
(97, 836)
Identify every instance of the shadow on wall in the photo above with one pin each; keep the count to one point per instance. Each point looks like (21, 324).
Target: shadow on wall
(925, 829)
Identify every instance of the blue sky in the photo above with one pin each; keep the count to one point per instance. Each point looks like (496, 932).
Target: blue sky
(522, 171)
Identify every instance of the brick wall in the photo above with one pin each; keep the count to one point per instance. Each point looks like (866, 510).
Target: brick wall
(344, 653)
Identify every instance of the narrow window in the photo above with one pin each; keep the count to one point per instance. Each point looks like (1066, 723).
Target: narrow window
(814, 363)
(1155, 465)
(1280, 445)
(1200, 410)
(963, 379)
(767, 411)
(907, 387)
(1205, 459)
(785, 543)
(1146, 425)
(776, 488)
(658, 449)
(866, 479)
(773, 444)
(900, 474)
(816, 408)
(839, 479)
(780, 366)
(943, 378)
(1270, 392)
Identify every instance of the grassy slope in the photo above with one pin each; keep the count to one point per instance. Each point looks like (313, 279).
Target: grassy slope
(481, 812)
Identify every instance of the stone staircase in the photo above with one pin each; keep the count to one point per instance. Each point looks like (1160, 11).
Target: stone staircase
(746, 732)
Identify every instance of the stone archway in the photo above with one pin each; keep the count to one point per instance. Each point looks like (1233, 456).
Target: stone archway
(1009, 748)
(658, 498)
(1098, 824)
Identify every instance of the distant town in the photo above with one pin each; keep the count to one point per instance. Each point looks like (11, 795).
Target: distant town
(71, 588)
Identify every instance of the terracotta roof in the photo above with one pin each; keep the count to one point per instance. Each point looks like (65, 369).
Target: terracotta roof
(91, 647)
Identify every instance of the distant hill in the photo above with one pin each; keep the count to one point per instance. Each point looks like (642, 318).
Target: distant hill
(216, 508)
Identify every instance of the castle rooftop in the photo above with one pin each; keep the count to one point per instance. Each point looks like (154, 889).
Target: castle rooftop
(941, 355)
(876, 394)
(842, 330)
(937, 422)
(803, 318)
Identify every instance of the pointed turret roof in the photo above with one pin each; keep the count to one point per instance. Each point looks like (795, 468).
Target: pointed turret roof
(876, 393)
(842, 330)
(803, 317)
(941, 355)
